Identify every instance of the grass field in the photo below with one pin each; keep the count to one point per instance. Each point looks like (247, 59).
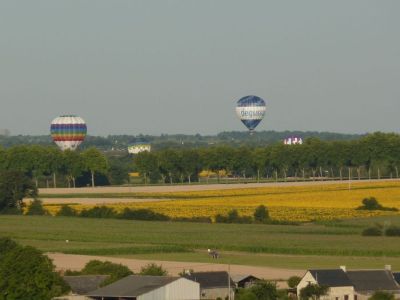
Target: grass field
(300, 203)
(324, 244)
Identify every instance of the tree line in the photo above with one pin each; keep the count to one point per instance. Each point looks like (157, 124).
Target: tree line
(373, 156)
(46, 163)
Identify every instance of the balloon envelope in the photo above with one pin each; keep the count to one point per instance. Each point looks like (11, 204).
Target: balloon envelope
(251, 110)
(68, 131)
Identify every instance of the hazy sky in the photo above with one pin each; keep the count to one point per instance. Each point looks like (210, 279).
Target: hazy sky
(130, 67)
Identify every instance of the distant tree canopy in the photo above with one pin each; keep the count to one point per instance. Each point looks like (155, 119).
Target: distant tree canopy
(25, 273)
(372, 156)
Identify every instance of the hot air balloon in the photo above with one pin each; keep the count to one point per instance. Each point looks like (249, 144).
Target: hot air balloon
(68, 131)
(251, 110)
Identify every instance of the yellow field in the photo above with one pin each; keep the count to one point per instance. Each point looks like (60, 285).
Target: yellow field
(292, 203)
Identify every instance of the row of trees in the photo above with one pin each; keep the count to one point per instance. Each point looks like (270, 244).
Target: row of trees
(45, 163)
(373, 156)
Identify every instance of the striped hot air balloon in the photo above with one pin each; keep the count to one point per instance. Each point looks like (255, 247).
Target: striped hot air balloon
(68, 131)
(251, 110)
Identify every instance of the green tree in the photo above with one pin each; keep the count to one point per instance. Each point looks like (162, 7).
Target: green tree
(265, 290)
(72, 166)
(382, 295)
(153, 270)
(14, 187)
(27, 274)
(313, 291)
(293, 281)
(97, 267)
(146, 163)
(245, 294)
(95, 162)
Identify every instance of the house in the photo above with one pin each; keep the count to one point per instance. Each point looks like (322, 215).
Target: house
(244, 281)
(81, 285)
(351, 284)
(366, 282)
(136, 287)
(340, 286)
(213, 285)
(396, 276)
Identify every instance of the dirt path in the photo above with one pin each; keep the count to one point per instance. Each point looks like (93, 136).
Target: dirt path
(77, 262)
(95, 201)
(186, 188)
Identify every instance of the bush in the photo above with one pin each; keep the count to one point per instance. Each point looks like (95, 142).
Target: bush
(373, 204)
(193, 219)
(142, 214)
(382, 295)
(233, 217)
(261, 214)
(293, 281)
(372, 231)
(36, 208)
(97, 267)
(153, 270)
(66, 211)
(392, 231)
(99, 212)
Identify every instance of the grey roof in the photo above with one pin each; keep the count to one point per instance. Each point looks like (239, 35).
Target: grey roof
(132, 286)
(238, 278)
(210, 279)
(396, 276)
(373, 280)
(331, 277)
(84, 284)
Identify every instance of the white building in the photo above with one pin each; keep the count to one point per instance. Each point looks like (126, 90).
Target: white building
(136, 287)
(351, 284)
(139, 147)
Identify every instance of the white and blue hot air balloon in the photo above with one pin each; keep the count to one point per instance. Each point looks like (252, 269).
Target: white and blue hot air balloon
(251, 110)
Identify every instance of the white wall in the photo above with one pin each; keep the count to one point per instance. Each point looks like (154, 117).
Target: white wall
(180, 289)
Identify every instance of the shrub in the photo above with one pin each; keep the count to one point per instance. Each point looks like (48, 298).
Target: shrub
(142, 214)
(382, 295)
(66, 211)
(261, 214)
(193, 219)
(36, 208)
(392, 231)
(99, 212)
(372, 231)
(293, 281)
(97, 267)
(233, 217)
(373, 204)
(153, 270)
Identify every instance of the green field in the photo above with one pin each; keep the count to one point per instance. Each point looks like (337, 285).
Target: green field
(311, 245)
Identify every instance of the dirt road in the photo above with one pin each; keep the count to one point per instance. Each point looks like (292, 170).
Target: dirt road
(77, 262)
(185, 188)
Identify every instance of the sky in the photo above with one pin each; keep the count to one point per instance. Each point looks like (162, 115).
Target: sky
(166, 67)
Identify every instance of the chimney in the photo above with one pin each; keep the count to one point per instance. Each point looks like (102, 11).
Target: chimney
(388, 267)
(343, 268)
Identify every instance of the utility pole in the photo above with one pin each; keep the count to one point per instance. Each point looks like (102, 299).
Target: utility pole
(229, 281)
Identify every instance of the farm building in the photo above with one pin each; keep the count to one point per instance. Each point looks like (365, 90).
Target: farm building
(351, 285)
(244, 281)
(213, 285)
(135, 287)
